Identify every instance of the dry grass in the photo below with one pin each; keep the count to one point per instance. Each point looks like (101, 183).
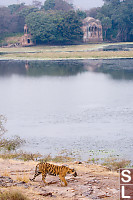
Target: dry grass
(69, 48)
(22, 178)
(69, 55)
(115, 165)
(21, 156)
(64, 52)
(61, 159)
(12, 195)
(13, 39)
(5, 173)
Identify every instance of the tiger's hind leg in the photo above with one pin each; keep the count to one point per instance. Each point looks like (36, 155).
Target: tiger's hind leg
(35, 175)
(62, 178)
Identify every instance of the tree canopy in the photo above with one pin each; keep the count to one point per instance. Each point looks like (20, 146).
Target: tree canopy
(117, 19)
(57, 22)
(55, 27)
(57, 5)
(10, 22)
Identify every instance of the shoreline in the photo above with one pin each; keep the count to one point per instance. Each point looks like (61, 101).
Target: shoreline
(70, 52)
(93, 181)
(65, 59)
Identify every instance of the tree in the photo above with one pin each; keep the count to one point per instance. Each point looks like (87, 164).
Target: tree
(42, 27)
(55, 27)
(113, 2)
(10, 23)
(49, 5)
(120, 14)
(63, 5)
(69, 29)
(57, 5)
(92, 12)
(107, 24)
(37, 4)
(16, 7)
(27, 10)
(123, 20)
(81, 14)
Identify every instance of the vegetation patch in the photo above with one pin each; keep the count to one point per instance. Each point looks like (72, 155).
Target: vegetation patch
(114, 164)
(12, 195)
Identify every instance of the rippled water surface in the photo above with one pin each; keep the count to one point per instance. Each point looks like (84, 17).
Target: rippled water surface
(74, 105)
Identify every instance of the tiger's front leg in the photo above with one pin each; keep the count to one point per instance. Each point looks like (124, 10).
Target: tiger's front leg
(43, 177)
(62, 178)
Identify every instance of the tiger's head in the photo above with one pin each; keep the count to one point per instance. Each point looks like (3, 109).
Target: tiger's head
(72, 171)
(38, 169)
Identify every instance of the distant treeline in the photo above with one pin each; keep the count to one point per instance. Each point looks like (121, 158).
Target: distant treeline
(58, 22)
(117, 20)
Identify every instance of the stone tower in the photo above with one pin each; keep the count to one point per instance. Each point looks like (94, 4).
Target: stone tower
(26, 39)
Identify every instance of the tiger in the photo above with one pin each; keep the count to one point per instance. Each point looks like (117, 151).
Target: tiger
(45, 168)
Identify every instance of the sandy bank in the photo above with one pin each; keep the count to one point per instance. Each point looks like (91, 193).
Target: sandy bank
(92, 182)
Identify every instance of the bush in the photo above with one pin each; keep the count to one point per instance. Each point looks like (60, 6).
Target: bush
(2, 128)
(12, 195)
(11, 144)
(114, 164)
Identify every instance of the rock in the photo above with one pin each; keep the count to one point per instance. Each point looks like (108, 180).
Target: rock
(106, 177)
(45, 194)
(87, 194)
(72, 190)
(114, 191)
(102, 194)
(6, 181)
(23, 184)
(78, 162)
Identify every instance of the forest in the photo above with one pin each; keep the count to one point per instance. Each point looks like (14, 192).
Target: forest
(58, 22)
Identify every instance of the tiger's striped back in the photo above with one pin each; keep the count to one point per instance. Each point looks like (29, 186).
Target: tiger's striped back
(45, 168)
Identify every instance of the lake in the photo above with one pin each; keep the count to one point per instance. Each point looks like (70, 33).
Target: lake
(84, 107)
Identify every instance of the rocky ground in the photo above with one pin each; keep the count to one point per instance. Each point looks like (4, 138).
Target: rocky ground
(92, 182)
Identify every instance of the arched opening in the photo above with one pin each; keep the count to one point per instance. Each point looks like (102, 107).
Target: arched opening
(28, 40)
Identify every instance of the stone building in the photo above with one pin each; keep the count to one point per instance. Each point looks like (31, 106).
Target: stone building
(26, 39)
(92, 30)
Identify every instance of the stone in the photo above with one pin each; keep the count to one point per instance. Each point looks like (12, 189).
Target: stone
(102, 194)
(6, 181)
(45, 194)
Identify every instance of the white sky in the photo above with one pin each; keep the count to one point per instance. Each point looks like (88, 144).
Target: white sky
(83, 4)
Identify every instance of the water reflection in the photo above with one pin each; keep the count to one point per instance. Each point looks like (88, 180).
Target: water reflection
(41, 68)
(116, 68)
(79, 105)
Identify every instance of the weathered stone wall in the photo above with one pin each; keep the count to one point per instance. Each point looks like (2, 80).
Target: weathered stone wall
(26, 39)
(92, 29)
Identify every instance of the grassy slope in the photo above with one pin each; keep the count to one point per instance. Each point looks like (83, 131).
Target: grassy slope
(63, 52)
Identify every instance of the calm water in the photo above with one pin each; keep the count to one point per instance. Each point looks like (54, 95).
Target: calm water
(74, 105)
(122, 47)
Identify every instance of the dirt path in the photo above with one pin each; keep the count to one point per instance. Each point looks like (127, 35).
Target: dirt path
(92, 182)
